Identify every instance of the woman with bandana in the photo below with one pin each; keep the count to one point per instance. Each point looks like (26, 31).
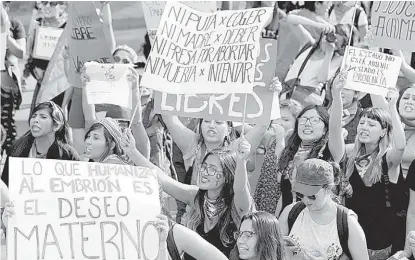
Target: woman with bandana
(372, 169)
(221, 197)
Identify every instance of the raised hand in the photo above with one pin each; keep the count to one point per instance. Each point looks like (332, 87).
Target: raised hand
(392, 97)
(275, 85)
(339, 81)
(243, 150)
(128, 143)
(8, 213)
(369, 38)
(162, 226)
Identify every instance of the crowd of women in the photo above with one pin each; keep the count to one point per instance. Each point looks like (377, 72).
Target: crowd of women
(338, 176)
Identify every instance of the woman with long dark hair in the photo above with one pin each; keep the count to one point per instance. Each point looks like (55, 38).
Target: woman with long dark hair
(48, 137)
(259, 237)
(372, 169)
(221, 198)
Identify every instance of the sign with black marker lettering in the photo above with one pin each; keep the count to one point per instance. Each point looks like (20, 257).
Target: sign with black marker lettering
(393, 24)
(87, 39)
(45, 43)
(196, 52)
(261, 107)
(370, 71)
(78, 210)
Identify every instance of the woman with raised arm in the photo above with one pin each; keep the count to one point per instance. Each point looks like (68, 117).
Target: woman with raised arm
(221, 198)
(372, 169)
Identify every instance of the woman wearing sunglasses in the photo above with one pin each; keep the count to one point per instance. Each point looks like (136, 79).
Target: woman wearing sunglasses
(51, 16)
(316, 225)
(48, 138)
(221, 197)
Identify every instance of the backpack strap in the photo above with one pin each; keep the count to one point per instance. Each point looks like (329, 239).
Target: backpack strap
(293, 215)
(343, 229)
(356, 17)
(385, 180)
(171, 245)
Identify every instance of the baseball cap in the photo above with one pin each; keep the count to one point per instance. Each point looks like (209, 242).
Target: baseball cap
(312, 175)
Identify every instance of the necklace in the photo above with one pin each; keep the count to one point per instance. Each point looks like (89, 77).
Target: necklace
(38, 154)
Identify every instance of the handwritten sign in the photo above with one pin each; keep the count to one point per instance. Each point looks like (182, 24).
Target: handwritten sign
(45, 42)
(370, 71)
(55, 80)
(196, 52)
(153, 10)
(262, 105)
(87, 39)
(393, 24)
(79, 210)
(108, 84)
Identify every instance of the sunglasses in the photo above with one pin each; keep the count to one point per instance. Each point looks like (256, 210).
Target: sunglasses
(247, 234)
(301, 196)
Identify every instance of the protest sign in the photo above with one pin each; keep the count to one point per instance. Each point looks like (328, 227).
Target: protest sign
(108, 84)
(393, 24)
(45, 43)
(80, 210)
(261, 107)
(197, 52)
(55, 80)
(153, 11)
(87, 40)
(370, 71)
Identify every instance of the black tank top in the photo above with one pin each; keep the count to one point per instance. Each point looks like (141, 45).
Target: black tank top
(213, 237)
(373, 208)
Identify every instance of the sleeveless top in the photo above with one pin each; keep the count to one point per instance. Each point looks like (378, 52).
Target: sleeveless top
(372, 205)
(213, 237)
(310, 235)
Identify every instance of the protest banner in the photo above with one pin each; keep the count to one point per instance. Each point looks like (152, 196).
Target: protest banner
(80, 210)
(370, 71)
(153, 10)
(205, 53)
(87, 40)
(55, 80)
(108, 84)
(393, 24)
(45, 43)
(262, 105)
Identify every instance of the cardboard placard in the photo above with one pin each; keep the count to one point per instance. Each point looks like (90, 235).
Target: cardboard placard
(46, 41)
(87, 40)
(262, 106)
(393, 24)
(198, 53)
(108, 84)
(79, 210)
(370, 71)
(153, 10)
(55, 80)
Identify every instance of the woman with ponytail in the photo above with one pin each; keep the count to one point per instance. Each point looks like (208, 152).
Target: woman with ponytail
(48, 137)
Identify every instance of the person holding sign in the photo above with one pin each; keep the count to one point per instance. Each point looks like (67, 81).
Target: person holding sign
(317, 62)
(372, 168)
(222, 192)
(52, 17)
(48, 138)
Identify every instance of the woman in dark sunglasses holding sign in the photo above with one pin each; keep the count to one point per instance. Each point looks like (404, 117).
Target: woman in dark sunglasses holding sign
(317, 227)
